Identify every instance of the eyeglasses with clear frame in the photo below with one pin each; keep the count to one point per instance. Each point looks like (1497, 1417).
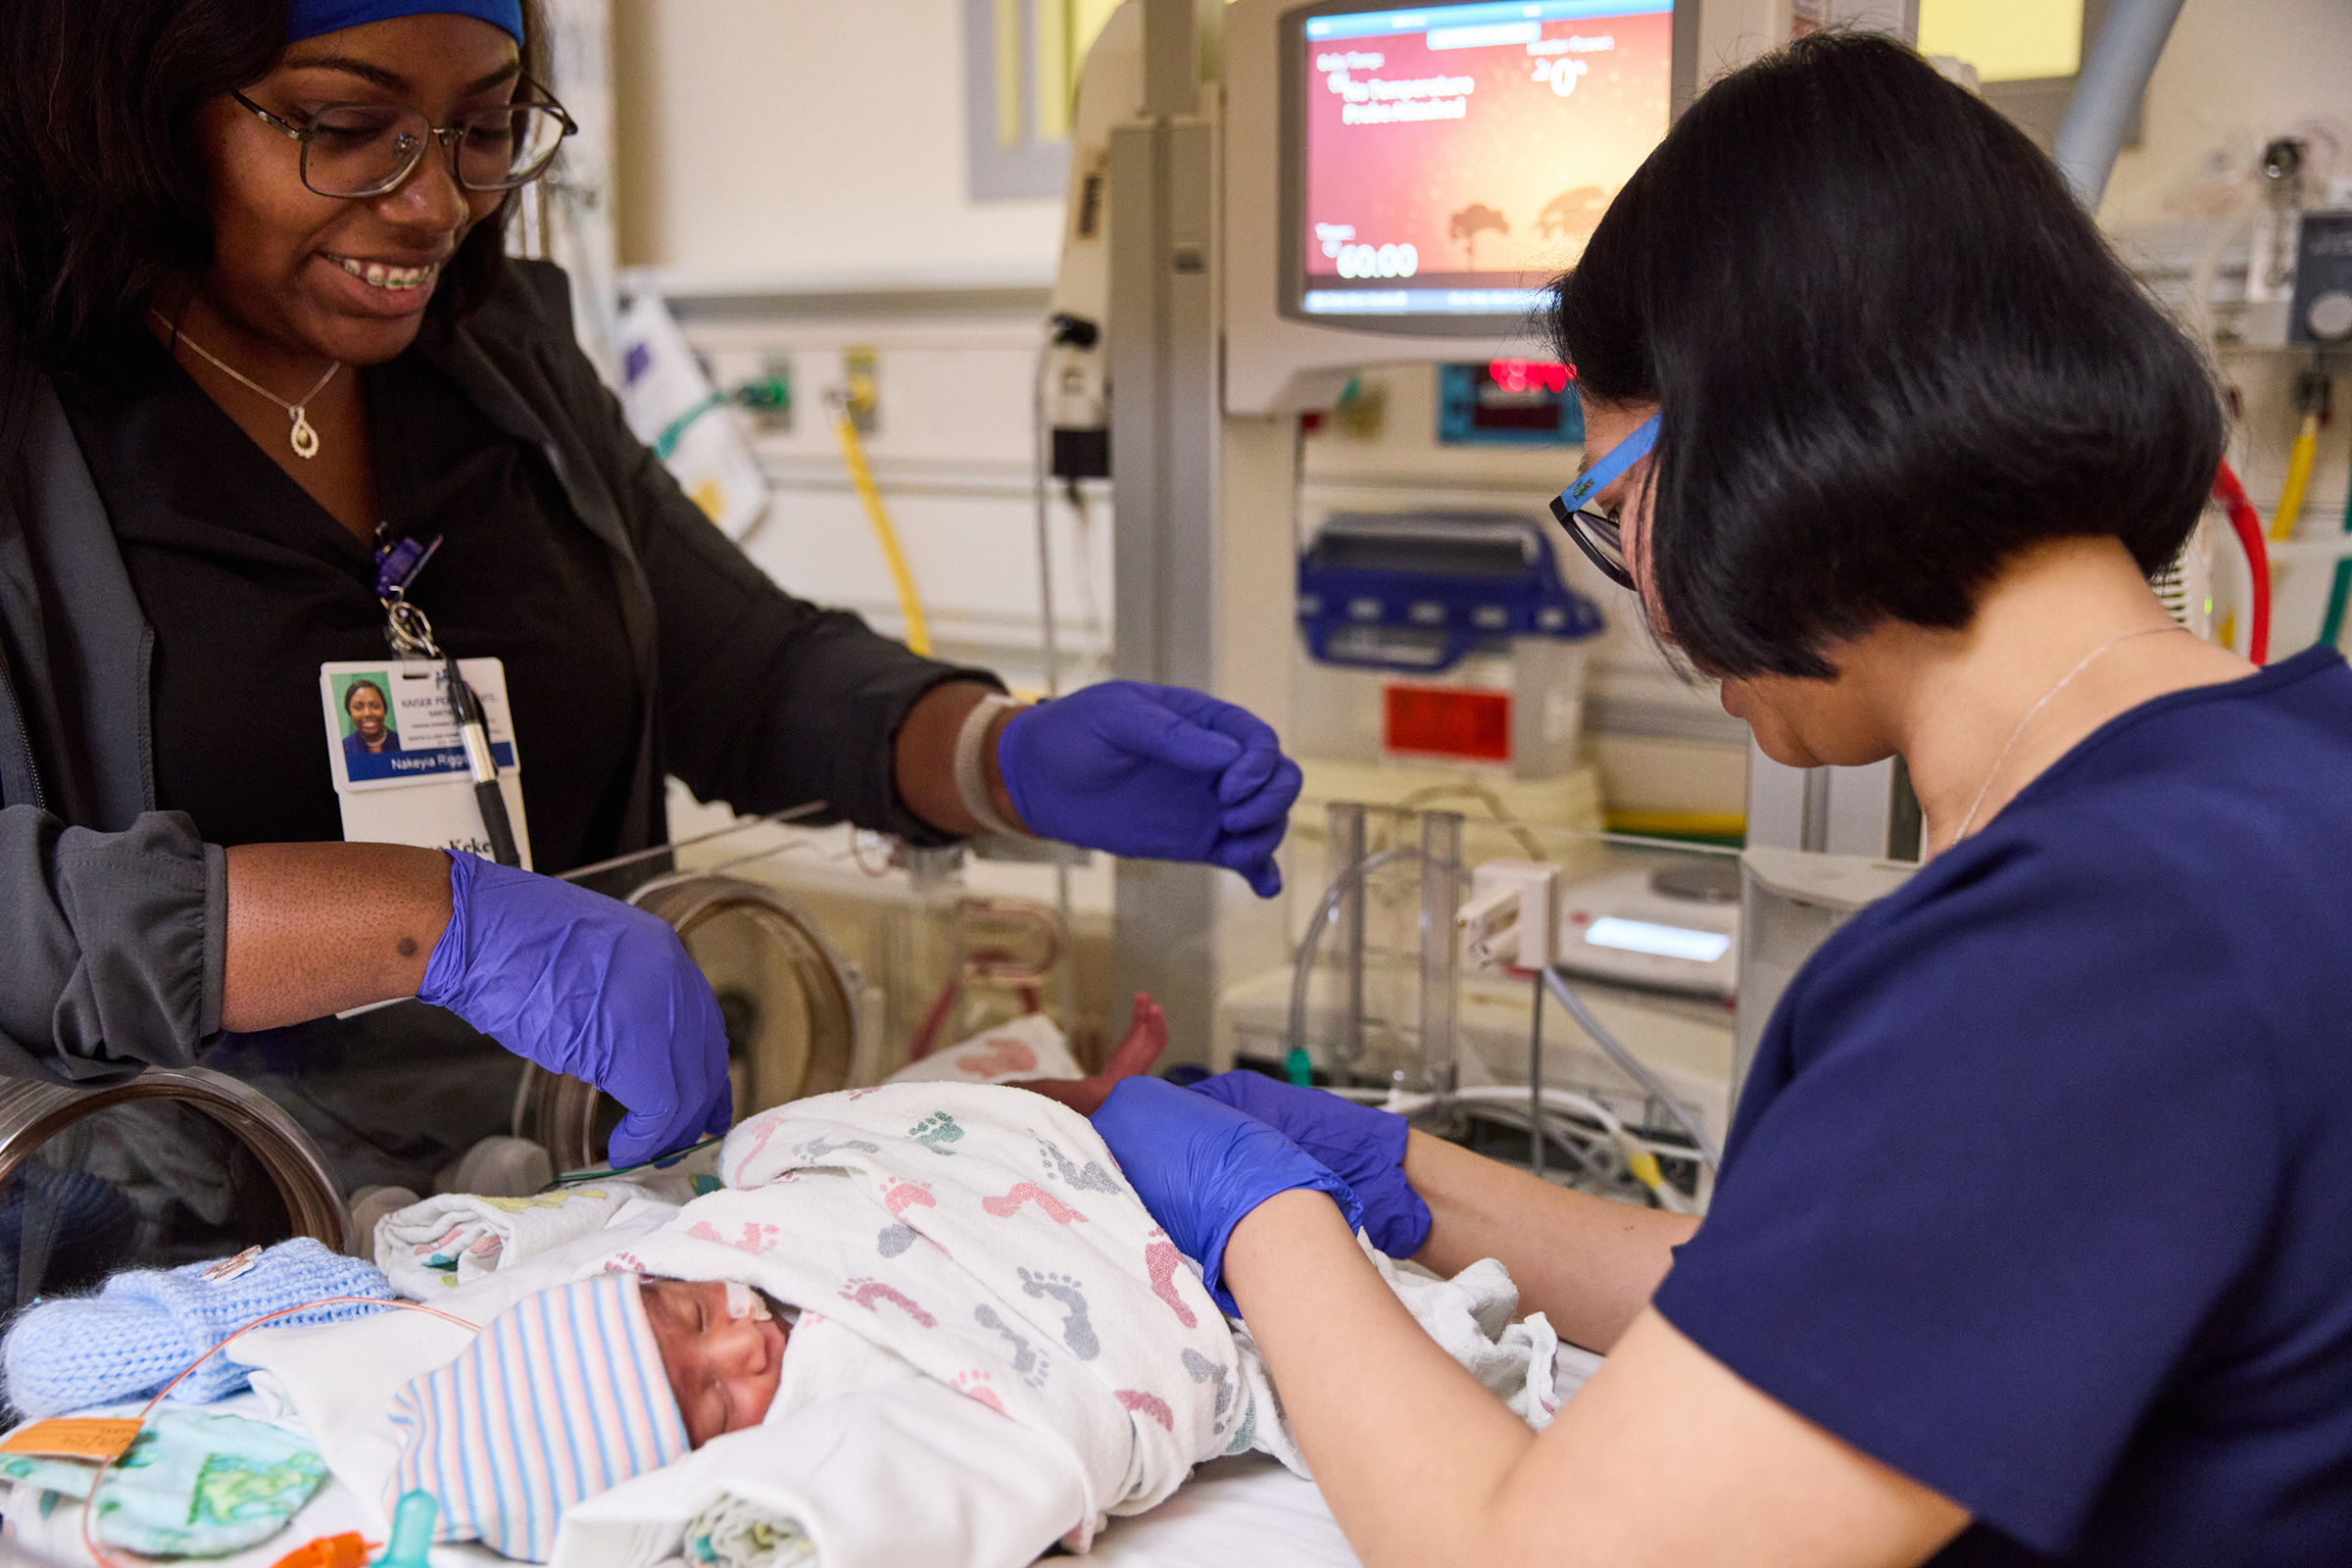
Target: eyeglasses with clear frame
(1596, 533)
(354, 151)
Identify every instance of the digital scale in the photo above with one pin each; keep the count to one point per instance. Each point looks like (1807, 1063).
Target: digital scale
(1663, 928)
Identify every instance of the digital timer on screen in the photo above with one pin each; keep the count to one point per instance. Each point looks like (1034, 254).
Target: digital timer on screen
(1454, 158)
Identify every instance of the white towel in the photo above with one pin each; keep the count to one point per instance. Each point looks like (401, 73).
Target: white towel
(436, 1245)
(905, 1474)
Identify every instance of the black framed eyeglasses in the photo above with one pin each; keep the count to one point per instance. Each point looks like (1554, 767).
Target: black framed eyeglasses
(360, 150)
(1596, 532)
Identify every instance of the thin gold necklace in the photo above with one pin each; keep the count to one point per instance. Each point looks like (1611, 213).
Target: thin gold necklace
(2064, 682)
(304, 437)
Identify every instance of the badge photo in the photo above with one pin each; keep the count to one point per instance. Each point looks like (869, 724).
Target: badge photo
(399, 759)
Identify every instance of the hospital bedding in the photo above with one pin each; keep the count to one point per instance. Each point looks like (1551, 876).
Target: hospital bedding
(895, 1447)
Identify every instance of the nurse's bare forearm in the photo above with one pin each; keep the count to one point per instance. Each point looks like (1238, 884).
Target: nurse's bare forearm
(316, 928)
(1587, 1264)
(923, 758)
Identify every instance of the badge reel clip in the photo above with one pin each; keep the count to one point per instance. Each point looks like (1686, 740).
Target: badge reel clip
(410, 634)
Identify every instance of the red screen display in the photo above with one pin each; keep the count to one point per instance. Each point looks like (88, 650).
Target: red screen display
(1484, 161)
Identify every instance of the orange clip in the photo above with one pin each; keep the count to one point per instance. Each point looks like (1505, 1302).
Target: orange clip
(346, 1550)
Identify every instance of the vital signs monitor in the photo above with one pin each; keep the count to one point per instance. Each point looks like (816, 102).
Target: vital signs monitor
(1441, 165)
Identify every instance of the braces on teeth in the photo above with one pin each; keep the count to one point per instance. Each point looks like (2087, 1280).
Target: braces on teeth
(382, 277)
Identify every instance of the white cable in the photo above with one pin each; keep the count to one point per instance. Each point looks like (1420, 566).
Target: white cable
(1511, 1099)
(1633, 1067)
(1089, 604)
(1040, 466)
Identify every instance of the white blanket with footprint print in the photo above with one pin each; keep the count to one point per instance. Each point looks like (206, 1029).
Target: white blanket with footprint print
(983, 1234)
(986, 1237)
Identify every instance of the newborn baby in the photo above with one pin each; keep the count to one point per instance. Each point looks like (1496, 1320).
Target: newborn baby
(723, 1343)
(574, 1389)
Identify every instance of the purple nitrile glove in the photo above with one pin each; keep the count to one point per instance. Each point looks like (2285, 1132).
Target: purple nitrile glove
(1200, 1167)
(585, 985)
(1153, 771)
(1363, 1144)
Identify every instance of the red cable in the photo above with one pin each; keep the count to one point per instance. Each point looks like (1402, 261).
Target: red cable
(2248, 523)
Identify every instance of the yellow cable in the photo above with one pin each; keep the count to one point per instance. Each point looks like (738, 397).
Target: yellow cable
(2299, 477)
(1688, 824)
(853, 454)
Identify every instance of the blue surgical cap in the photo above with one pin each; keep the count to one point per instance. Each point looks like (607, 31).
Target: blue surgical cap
(311, 18)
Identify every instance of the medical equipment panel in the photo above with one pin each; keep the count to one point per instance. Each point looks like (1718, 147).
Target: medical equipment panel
(1667, 928)
(1440, 636)
(2322, 310)
(1441, 162)
(1509, 403)
(1790, 901)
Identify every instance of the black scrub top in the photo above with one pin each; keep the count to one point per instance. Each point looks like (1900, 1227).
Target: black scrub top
(250, 585)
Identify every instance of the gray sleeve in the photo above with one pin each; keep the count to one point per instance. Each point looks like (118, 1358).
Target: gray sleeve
(120, 941)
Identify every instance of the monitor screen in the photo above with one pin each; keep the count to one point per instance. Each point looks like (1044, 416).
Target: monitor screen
(1448, 161)
(1666, 941)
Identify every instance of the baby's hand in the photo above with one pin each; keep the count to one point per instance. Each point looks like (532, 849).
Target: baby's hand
(1145, 1039)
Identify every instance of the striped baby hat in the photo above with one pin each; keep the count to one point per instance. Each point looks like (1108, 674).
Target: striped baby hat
(561, 1396)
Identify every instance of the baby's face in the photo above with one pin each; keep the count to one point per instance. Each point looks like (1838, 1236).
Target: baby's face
(724, 1369)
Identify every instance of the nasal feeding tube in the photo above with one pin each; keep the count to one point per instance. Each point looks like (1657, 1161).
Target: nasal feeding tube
(743, 1302)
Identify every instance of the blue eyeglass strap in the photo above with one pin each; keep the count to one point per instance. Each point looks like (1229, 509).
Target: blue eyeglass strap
(1621, 457)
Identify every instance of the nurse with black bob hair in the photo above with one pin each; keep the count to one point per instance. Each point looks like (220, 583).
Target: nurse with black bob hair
(2029, 1242)
(271, 390)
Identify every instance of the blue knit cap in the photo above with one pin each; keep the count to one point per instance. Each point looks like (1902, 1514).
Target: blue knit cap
(144, 1328)
(311, 18)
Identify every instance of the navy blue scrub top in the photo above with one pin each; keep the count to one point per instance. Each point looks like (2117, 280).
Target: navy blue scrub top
(2042, 1191)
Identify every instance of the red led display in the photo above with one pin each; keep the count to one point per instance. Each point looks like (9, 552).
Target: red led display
(1449, 722)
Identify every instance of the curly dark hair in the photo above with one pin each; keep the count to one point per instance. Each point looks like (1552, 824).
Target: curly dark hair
(1889, 351)
(102, 187)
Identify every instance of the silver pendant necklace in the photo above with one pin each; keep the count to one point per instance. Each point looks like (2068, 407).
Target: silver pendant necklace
(304, 437)
(2068, 679)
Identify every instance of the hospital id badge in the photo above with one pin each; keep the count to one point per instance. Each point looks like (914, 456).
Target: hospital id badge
(399, 760)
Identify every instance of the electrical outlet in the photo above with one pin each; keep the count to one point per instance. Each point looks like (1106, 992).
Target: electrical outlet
(861, 386)
(768, 396)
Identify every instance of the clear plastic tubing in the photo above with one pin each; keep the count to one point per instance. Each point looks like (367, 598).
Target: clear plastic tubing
(1440, 945)
(1633, 1066)
(1304, 969)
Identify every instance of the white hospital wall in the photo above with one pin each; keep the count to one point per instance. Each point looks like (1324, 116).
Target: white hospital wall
(793, 138)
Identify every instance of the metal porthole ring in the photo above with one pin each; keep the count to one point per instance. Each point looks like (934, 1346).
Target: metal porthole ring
(32, 1111)
(559, 1112)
